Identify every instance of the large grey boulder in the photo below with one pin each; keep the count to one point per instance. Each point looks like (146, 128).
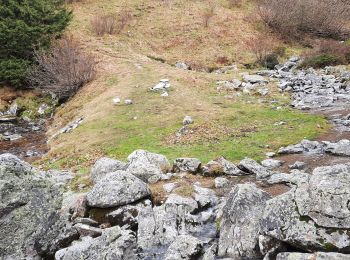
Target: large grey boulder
(254, 78)
(250, 166)
(117, 189)
(239, 229)
(30, 203)
(184, 247)
(341, 148)
(221, 166)
(114, 243)
(314, 214)
(145, 165)
(315, 256)
(205, 197)
(271, 163)
(191, 165)
(105, 165)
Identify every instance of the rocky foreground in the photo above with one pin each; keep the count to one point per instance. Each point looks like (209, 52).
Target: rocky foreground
(117, 218)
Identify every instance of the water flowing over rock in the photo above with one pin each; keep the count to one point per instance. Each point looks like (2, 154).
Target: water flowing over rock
(239, 230)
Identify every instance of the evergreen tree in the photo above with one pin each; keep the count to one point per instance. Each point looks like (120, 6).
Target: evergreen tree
(26, 25)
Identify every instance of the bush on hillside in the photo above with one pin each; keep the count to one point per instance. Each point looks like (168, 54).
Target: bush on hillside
(293, 18)
(24, 27)
(327, 53)
(63, 70)
(110, 24)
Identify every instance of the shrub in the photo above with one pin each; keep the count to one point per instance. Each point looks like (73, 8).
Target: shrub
(110, 24)
(327, 53)
(208, 13)
(292, 18)
(320, 61)
(24, 27)
(260, 46)
(270, 61)
(63, 70)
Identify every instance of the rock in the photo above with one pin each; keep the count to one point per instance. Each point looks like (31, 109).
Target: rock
(29, 208)
(294, 177)
(117, 189)
(205, 197)
(315, 256)
(191, 165)
(163, 85)
(270, 154)
(239, 229)
(182, 65)
(271, 163)
(42, 109)
(254, 79)
(187, 120)
(313, 215)
(305, 146)
(127, 215)
(341, 148)
(70, 127)
(144, 164)
(114, 243)
(169, 187)
(86, 230)
(228, 85)
(250, 166)
(116, 101)
(164, 94)
(128, 102)
(105, 165)
(79, 208)
(13, 110)
(12, 137)
(221, 182)
(297, 165)
(86, 221)
(189, 204)
(7, 119)
(221, 166)
(184, 247)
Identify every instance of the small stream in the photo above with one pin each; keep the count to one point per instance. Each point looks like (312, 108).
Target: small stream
(28, 139)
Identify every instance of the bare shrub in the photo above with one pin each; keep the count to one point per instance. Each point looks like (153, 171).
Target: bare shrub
(208, 13)
(110, 24)
(63, 69)
(105, 24)
(291, 18)
(260, 46)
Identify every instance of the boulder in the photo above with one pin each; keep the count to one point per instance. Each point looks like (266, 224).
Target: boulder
(189, 204)
(315, 256)
(221, 182)
(184, 247)
(250, 166)
(314, 214)
(271, 163)
(239, 229)
(297, 165)
(117, 189)
(114, 243)
(144, 164)
(253, 78)
(205, 197)
(341, 148)
(30, 203)
(191, 165)
(221, 166)
(105, 165)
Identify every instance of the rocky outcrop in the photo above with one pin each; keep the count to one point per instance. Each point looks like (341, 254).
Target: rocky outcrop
(117, 189)
(239, 229)
(29, 209)
(184, 247)
(250, 166)
(191, 165)
(314, 215)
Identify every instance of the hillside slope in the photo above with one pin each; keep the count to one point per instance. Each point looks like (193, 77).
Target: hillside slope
(225, 123)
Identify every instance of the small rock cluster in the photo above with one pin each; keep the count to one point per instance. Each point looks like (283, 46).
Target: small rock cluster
(162, 87)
